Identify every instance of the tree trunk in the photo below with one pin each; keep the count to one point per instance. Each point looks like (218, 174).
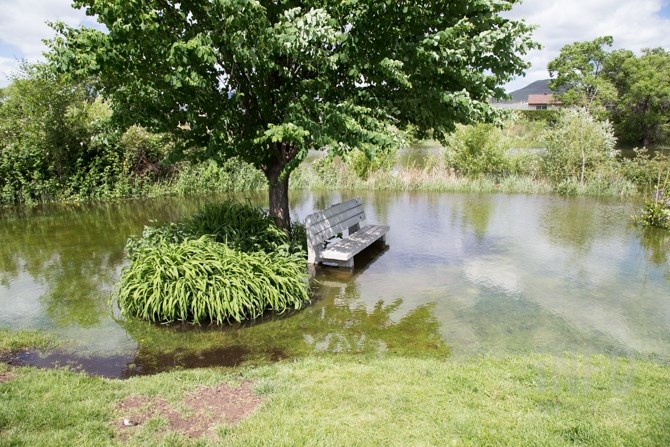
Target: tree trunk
(282, 155)
(278, 195)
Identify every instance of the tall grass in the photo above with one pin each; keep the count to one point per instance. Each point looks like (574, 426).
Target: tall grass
(228, 261)
(243, 227)
(436, 176)
(203, 281)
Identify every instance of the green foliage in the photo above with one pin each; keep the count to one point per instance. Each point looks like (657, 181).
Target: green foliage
(547, 116)
(642, 113)
(242, 227)
(476, 150)
(144, 153)
(226, 262)
(576, 146)
(267, 81)
(48, 147)
(634, 91)
(232, 175)
(363, 163)
(579, 70)
(655, 213)
(202, 281)
(644, 170)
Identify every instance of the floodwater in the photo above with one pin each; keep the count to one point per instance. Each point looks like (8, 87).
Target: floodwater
(462, 274)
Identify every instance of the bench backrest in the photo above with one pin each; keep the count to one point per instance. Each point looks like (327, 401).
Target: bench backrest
(344, 217)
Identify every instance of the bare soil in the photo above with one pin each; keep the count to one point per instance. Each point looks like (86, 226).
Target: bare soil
(5, 376)
(205, 409)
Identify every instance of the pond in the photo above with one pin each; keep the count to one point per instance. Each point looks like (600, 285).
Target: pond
(462, 274)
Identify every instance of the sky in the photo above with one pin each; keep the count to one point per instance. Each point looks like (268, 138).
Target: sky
(635, 25)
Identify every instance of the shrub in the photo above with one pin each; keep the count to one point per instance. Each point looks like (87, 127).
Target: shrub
(144, 153)
(200, 280)
(364, 164)
(230, 176)
(576, 146)
(656, 213)
(477, 149)
(644, 170)
(548, 116)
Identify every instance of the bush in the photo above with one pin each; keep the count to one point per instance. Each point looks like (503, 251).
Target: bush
(230, 176)
(644, 170)
(577, 146)
(226, 262)
(477, 149)
(547, 116)
(202, 281)
(656, 213)
(364, 164)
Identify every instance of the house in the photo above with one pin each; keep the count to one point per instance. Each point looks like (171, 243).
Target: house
(544, 101)
(535, 96)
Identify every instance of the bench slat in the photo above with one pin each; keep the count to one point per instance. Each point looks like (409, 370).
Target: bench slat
(355, 243)
(331, 226)
(320, 216)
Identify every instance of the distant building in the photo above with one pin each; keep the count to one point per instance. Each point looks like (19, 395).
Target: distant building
(535, 96)
(545, 101)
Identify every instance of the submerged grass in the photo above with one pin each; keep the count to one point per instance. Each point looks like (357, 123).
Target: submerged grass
(534, 400)
(17, 340)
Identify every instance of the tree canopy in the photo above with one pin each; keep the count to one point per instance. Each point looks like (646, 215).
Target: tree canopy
(269, 80)
(634, 91)
(579, 71)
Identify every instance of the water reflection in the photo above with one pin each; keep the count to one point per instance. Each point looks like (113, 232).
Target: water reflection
(462, 273)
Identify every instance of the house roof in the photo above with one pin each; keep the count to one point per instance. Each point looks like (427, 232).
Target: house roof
(543, 98)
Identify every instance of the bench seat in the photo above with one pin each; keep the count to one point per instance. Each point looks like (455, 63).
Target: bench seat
(345, 249)
(345, 221)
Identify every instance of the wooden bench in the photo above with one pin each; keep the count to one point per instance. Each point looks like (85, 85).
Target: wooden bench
(348, 220)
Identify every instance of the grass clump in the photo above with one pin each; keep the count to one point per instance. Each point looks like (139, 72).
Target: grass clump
(201, 280)
(227, 262)
(655, 213)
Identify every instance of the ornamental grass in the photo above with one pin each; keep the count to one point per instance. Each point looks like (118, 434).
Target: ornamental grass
(228, 262)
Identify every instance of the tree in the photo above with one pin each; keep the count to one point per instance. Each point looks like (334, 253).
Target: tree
(579, 71)
(269, 80)
(642, 113)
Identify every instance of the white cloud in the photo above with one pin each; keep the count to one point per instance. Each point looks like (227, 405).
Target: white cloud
(23, 26)
(634, 25)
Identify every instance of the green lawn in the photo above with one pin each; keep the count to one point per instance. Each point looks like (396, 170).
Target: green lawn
(363, 401)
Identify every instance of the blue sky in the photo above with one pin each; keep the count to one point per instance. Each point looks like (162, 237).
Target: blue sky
(634, 25)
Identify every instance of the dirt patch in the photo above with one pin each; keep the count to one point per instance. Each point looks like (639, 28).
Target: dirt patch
(204, 409)
(5, 376)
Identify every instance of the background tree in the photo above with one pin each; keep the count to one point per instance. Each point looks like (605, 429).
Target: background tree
(579, 70)
(642, 113)
(46, 129)
(269, 80)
